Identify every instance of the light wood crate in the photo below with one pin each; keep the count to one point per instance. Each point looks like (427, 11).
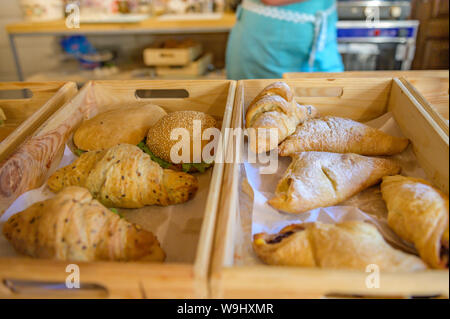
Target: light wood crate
(368, 74)
(30, 277)
(25, 114)
(433, 94)
(172, 56)
(195, 68)
(361, 99)
(429, 87)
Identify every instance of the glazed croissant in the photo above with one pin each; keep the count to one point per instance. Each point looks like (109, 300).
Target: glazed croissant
(418, 213)
(340, 135)
(275, 108)
(73, 226)
(320, 179)
(126, 177)
(346, 245)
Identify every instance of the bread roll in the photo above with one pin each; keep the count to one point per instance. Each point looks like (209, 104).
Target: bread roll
(158, 137)
(128, 125)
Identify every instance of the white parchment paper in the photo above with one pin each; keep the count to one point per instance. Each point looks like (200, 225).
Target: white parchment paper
(256, 215)
(177, 227)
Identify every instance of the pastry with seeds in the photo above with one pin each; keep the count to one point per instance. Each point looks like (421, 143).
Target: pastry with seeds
(125, 177)
(73, 226)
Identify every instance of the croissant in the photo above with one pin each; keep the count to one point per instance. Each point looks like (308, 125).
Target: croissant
(73, 226)
(275, 108)
(418, 213)
(340, 135)
(126, 177)
(320, 179)
(346, 245)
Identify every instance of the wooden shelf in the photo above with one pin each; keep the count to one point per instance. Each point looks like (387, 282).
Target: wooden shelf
(151, 25)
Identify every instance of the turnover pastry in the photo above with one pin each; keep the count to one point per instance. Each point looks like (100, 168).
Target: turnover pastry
(418, 213)
(320, 179)
(346, 245)
(275, 108)
(126, 177)
(73, 226)
(340, 135)
(120, 126)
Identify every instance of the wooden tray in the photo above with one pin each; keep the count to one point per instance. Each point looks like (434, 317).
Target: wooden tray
(195, 68)
(429, 87)
(26, 277)
(433, 94)
(368, 74)
(172, 57)
(359, 99)
(26, 114)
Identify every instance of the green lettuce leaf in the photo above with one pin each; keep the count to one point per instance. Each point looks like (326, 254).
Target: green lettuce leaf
(79, 152)
(189, 167)
(154, 158)
(115, 211)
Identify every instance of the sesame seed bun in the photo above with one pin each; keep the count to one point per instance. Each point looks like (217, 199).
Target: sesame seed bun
(158, 137)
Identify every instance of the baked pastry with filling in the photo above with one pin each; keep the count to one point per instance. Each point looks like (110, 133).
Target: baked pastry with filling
(346, 245)
(320, 179)
(418, 213)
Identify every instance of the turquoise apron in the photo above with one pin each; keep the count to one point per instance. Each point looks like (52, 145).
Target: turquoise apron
(268, 41)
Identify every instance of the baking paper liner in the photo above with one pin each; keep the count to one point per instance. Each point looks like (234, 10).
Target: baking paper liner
(177, 227)
(256, 215)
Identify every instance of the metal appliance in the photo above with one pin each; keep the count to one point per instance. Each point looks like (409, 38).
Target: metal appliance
(385, 10)
(376, 35)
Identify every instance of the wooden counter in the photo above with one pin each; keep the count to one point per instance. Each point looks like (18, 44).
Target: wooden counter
(151, 25)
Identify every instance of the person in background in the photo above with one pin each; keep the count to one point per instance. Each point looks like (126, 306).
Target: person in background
(272, 37)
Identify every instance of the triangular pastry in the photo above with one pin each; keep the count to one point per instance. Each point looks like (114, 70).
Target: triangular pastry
(320, 179)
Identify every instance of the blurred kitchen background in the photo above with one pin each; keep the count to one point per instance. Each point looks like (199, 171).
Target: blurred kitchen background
(135, 39)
